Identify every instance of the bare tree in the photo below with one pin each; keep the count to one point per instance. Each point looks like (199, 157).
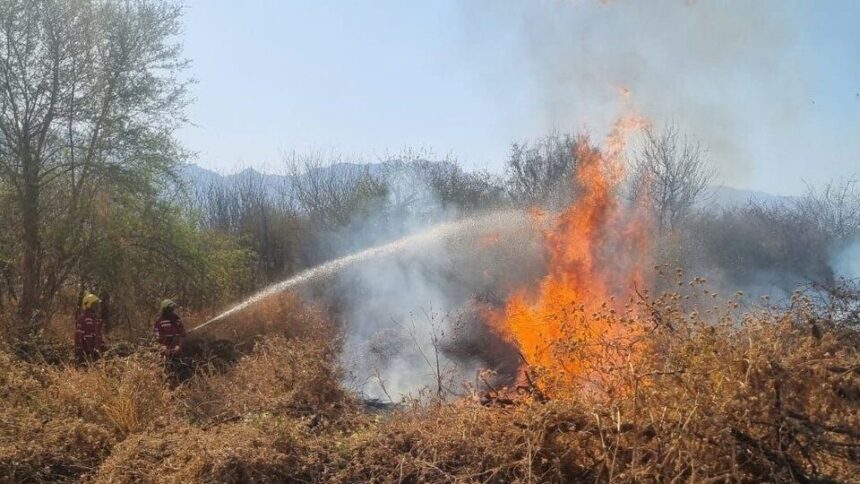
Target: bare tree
(424, 185)
(541, 170)
(333, 193)
(408, 176)
(835, 208)
(671, 174)
(261, 215)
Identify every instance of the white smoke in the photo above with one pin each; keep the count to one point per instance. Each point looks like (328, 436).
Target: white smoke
(846, 262)
(727, 74)
(404, 315)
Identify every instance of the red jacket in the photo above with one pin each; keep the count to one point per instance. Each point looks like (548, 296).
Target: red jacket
(170, 332)
(88, 332)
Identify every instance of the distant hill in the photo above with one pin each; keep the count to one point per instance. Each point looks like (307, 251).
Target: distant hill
(197, 178)
(722, 196)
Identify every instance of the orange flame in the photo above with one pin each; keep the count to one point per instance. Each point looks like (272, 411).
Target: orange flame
(596, 249)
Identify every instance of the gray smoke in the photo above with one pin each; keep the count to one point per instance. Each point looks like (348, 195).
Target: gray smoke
(414, 314)
(706, 66)
(411, 319)
(846, 261)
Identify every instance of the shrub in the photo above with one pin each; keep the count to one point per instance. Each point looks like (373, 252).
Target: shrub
(464, 442)
(296, 378)
(38, 442)
(240, 452)
(284, 314)
(125, 395)
(708, 392)
(37, 450)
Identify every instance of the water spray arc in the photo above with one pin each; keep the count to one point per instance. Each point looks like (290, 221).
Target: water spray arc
(434, 234)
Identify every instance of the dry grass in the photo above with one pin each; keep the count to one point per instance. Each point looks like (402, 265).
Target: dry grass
(468, 443)
(282, 315)
(769, 401)
(36, 449)
(235, 452)
(290, 378)
(718, 395)
(126, 395)
(39, 440)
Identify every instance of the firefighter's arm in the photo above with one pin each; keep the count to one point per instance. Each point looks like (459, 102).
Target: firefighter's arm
(181, 327)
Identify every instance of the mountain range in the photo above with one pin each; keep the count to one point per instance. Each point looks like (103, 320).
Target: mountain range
(198, 178)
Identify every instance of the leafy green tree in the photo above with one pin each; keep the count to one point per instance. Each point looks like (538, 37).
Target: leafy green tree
(155, 250)
(90, 96)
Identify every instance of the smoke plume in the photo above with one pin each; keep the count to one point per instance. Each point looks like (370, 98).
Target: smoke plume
(410, 320)
(726, 73)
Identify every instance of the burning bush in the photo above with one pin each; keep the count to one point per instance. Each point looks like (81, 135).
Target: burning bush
(719, 395)
(596, 249)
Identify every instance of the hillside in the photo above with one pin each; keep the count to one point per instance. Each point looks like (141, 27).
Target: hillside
(197, 178)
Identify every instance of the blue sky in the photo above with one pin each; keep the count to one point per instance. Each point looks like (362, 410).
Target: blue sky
(771, 87)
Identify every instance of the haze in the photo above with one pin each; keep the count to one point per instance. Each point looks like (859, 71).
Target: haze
(771, 88)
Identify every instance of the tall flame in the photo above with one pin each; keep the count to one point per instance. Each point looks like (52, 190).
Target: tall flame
(597, 248)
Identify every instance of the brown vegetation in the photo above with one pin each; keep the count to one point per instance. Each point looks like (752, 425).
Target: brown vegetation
(725, 395)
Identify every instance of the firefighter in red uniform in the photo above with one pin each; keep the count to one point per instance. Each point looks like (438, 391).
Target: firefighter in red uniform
(169, 330)
(89, 342)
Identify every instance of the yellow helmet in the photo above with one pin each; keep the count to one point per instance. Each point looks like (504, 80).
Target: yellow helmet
(89, 300)
(167, 303)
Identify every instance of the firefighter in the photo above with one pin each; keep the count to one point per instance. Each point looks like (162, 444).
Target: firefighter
(89, 342)
(169, 330)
